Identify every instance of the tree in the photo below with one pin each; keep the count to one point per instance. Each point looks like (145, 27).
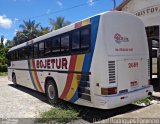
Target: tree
(59, 23)
(9, 44)
(3, 58)
(44, 30)
(2, 39)
(29, 31)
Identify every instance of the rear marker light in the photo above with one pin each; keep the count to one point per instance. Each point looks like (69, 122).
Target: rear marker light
(149, 82)
(124, 97)
(109, 91)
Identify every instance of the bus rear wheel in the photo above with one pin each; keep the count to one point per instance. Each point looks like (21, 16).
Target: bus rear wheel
(14, 80)
(51, 91)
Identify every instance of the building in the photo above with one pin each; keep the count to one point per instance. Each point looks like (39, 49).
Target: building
(149, 12)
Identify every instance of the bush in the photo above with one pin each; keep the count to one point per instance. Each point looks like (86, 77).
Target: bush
(3, 68)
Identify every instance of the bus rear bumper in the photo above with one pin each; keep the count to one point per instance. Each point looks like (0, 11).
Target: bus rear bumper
(109, 102)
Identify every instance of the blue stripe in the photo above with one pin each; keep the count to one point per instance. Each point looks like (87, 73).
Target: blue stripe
(88, 57)
(29, 66)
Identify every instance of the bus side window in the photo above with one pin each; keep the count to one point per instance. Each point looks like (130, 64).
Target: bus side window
(41, 49)
(19, 54)
(9, 58)
(30, 51)
(24, 53)
(65, 43)
(56, 45)
(85, 39)
(12, 56)
(48, 47)
(35, 50)
(76, 41)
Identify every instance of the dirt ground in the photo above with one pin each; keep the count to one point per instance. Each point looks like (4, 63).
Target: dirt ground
(22, 102)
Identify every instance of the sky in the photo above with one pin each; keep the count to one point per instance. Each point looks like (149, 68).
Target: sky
(13, 12)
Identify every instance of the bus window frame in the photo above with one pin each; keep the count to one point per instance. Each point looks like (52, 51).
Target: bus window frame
(81, 51)
(60, 53)
(65, 53)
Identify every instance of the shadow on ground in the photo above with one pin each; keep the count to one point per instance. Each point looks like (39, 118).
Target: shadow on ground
(86, 113)
(36, 94)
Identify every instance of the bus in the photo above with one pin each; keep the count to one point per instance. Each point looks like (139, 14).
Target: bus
(100, 62)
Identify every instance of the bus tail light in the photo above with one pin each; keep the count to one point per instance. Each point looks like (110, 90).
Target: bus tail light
(109, 91)
(149, 82)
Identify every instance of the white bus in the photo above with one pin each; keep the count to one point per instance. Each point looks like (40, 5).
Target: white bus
(101, 62)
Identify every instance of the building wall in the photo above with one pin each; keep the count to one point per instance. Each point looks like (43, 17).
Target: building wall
(147, 10)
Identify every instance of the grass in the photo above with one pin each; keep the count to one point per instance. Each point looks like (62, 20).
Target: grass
(3, 73)
(146, 101)
(59, 115)
(62, 113)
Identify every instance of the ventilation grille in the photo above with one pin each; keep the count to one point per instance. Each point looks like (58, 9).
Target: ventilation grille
(112, 72)
(148, 68)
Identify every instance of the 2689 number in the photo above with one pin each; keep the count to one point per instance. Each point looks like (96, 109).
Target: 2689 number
(133, 65)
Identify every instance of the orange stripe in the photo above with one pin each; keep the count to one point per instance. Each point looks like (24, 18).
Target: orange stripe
(69, 77)
(36, 77)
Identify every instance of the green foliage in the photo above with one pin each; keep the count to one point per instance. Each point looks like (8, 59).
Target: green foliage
(59, 115)
(31, 29)
(9, 44)
(3, 58)
(58, 23)
(3, 73)
(145, 101)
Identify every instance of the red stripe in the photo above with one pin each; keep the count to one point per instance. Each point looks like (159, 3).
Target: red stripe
(78, 25)
(36, 76)
(69, 77)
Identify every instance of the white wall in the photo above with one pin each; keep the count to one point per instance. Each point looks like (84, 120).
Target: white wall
(147, 10)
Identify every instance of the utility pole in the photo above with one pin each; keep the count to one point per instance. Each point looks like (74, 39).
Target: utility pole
(114, 2)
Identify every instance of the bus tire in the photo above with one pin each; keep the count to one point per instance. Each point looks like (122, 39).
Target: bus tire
(14, 80)
(51, 91)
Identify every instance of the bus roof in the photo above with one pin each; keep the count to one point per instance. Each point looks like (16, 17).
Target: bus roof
(59, 31)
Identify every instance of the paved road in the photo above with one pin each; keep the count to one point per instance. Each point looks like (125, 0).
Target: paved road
(20, 102)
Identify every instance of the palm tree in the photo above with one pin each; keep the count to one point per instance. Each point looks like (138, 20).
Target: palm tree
(45, 30)
(9, 44)
(59, 23)
(30, 29)
(29, 25)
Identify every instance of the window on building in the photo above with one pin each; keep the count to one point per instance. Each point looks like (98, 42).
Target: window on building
(153, 35)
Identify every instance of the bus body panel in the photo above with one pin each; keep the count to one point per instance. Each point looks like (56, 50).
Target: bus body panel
(116, 60)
